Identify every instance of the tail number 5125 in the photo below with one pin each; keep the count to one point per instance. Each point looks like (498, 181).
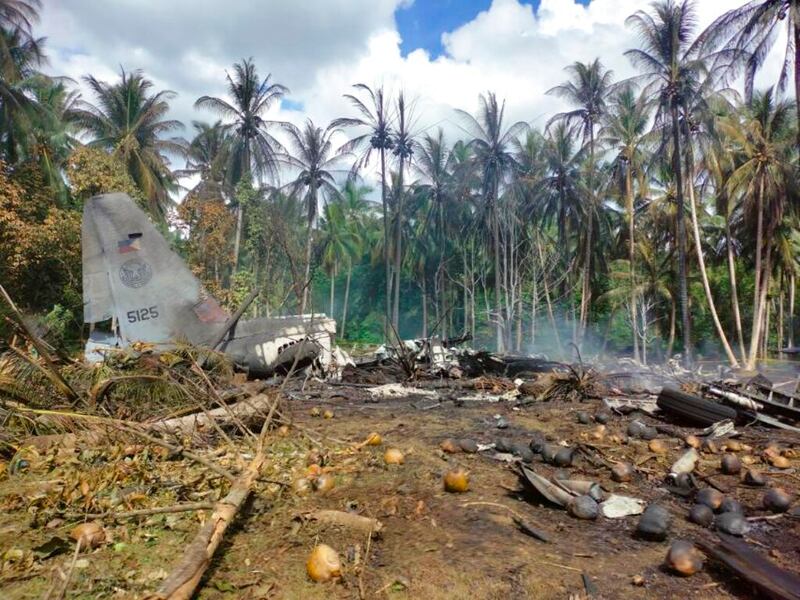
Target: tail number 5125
(142, 314)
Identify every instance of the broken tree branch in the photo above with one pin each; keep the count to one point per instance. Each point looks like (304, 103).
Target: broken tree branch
(189, 425)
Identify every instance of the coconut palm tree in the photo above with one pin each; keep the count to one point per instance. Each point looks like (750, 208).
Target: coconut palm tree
(253, 150)
(127, 119)
(356, 211)
(313, 157)
(491, 144)
(206, 155)
(560, 190)
(53, 130)
(624, 131)
(402, 149)
(699, 127)
(762, 140)
(423, 244)
(20, 58)
(587, 90)
(434, 166)
(750, 32)
(340, 242)
(671, 70)
(19, 14)
(16, 16)
(718, 164)
(374, 121)
(208, 150)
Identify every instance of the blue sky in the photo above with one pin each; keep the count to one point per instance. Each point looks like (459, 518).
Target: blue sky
(422, 24)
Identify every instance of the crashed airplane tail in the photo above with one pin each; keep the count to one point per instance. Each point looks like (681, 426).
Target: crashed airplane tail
(132, 277)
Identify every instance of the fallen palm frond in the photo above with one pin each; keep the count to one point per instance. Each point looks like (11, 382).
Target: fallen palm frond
(143, 385)
(48, 367)
(577, 384)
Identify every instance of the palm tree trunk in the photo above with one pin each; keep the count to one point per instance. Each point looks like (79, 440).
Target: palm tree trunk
(346, 295)
(587, 259)
(792, 285)
(424, 309)
(681, 235)
(498, 302)
(765, 334)
(534, 300)
(466, 290)
(755, 331)
(781, 302)
(441, 269)
(796, 33)
(702, 262)
(737, 316)
(550, 314)
(672, 324)
(607, 330)
(333, 283)
(764, 303)
(472, 316)
(312, 207)
(256, 285)
(644, 335)
(237, 237)
(631, 253)
(574, 312)
(507, 308)
(387, 270)
(267, 261)
(398, 249)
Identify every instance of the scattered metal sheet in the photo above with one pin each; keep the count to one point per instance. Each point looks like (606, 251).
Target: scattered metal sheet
(398, 390)
(646, 405)
(617, 507)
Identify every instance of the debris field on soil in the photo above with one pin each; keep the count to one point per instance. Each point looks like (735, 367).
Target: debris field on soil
(412, 476)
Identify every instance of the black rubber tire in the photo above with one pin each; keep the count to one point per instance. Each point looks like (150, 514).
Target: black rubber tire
(692, 408)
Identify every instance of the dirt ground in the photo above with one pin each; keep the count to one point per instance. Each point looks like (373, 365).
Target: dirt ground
(433, 544)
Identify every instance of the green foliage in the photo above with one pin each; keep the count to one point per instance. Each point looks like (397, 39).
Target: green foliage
(128, 121)
(59, 321)
(92, 171)
(40, 251)
(241, 285)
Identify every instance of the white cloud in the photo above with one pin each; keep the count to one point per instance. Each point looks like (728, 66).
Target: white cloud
(320, 48)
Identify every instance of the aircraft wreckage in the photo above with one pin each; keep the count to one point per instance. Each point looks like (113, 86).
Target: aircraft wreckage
(137, 289)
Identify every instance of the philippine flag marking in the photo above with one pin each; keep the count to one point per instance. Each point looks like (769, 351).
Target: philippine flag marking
(130, 245)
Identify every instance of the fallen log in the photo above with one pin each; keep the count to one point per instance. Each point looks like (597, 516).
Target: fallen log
(200, 422)
(769, 578)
